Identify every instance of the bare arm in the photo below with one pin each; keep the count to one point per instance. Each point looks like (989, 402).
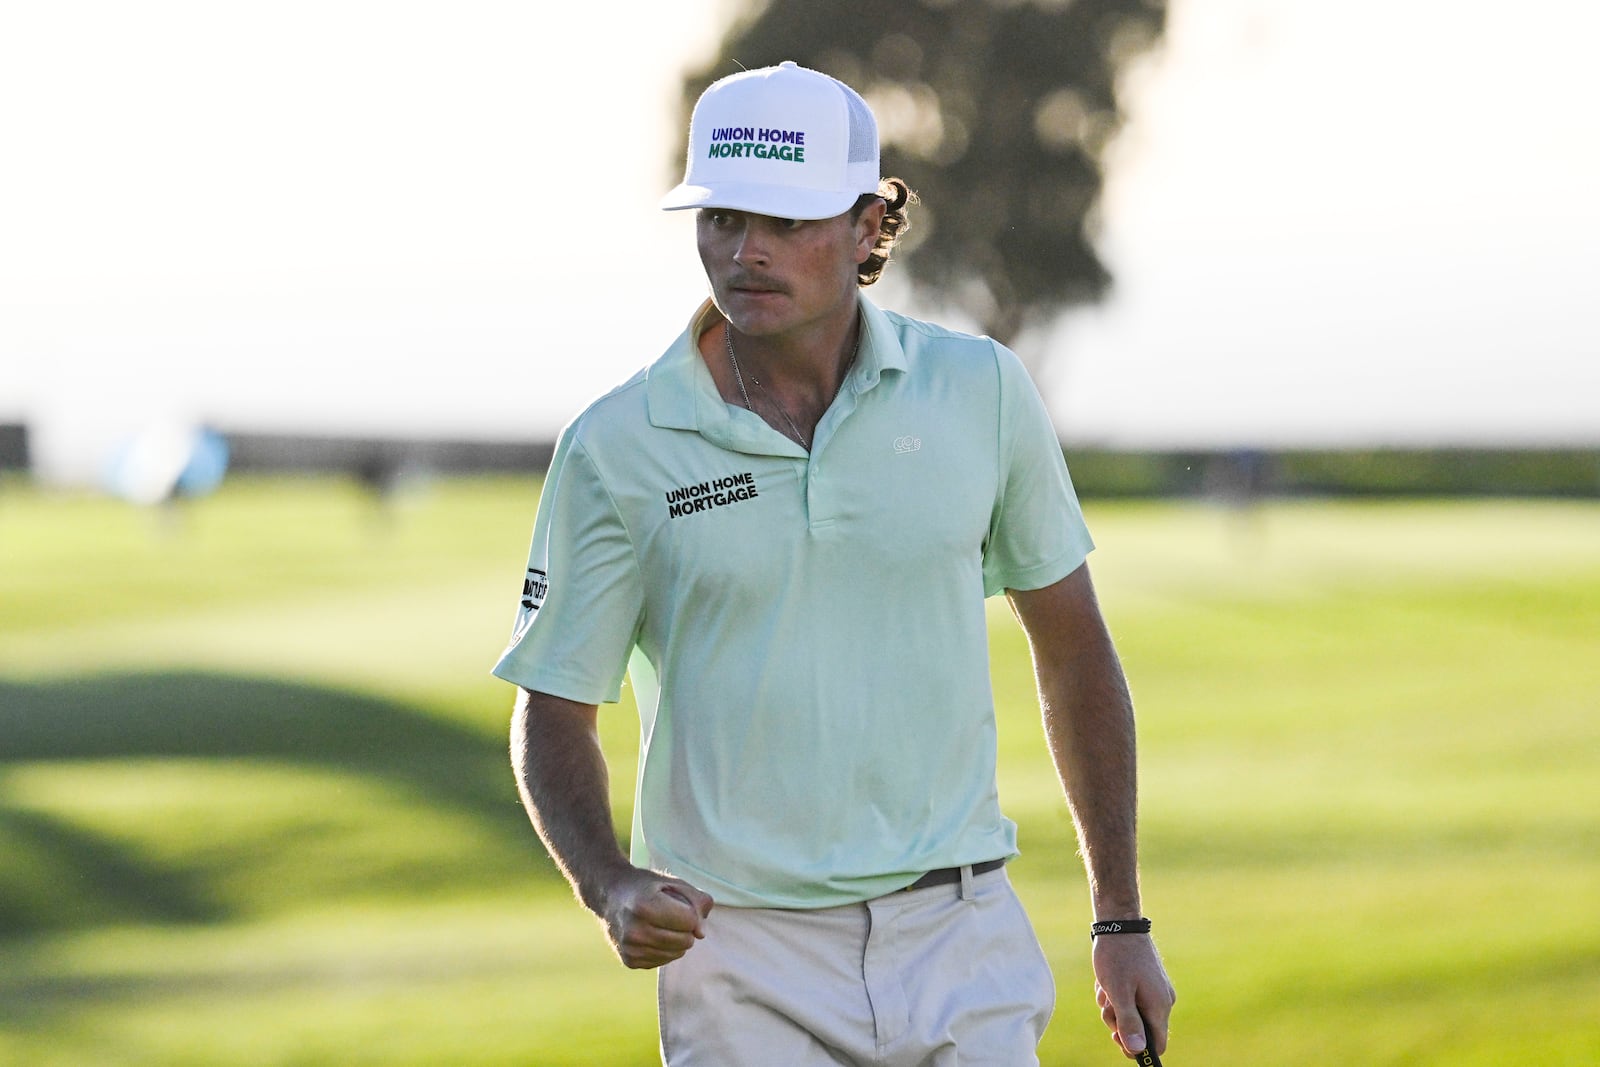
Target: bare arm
(650, 918)
(1088, 721)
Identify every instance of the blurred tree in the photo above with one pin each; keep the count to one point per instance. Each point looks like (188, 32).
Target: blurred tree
(998, 112)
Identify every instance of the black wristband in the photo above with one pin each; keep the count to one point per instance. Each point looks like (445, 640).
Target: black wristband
(1119, 926)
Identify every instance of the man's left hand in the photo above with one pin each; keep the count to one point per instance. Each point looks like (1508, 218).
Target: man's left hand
(1133, 991)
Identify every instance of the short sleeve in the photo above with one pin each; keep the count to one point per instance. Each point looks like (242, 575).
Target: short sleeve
(1037, 535)
(582, 598)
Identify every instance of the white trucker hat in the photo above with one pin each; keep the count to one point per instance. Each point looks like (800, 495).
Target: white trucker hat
(785, 141)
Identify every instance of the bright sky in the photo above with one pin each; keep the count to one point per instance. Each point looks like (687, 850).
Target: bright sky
(1364, 220)
(1368, 221)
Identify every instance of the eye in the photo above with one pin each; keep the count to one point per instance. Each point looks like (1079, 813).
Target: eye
(791, 224)
(716, 217)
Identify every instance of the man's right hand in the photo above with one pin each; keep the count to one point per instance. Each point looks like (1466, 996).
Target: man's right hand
(652, 919)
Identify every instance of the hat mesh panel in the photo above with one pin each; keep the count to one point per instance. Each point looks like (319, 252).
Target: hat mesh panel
(863, 128)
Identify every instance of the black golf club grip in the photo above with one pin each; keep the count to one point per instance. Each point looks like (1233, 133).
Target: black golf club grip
(1148, 1057)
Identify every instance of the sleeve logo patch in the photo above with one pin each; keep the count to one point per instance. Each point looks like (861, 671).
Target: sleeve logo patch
(534, 588)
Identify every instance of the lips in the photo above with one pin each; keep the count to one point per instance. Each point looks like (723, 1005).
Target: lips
(757, 288)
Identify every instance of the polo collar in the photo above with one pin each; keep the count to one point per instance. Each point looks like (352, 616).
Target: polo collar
(682, 396)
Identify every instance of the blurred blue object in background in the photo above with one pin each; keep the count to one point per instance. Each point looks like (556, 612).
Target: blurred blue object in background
(167, 461)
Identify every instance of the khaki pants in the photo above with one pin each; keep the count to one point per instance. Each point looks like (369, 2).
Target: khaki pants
(934, 977)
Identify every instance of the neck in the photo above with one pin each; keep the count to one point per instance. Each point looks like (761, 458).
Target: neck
(795, 402)
(812, 365)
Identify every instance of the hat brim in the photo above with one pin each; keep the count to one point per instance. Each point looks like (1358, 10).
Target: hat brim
(783, 202)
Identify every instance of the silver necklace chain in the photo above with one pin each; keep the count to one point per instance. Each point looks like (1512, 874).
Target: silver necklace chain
(738, 376)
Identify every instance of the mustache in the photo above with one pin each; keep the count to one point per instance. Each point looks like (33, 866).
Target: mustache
(757, 282)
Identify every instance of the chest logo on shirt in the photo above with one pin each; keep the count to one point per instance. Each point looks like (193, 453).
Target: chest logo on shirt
(715, 493)
(905, 444)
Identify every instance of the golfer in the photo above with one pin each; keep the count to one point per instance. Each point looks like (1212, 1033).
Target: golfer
(784, 530)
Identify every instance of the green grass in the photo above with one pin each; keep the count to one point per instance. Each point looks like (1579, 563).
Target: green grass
(255, 807)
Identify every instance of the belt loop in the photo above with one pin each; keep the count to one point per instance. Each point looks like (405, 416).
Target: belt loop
(966, 881)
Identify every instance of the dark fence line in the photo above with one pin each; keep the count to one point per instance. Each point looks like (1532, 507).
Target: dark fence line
(373, 458)
(1217, 473)
(13, 446)
(1545, 472)
(1560, 472)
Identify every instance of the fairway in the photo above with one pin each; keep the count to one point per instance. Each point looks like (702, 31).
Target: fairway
(255, 806)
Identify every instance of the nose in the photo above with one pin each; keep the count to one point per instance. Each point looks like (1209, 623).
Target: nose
(750, 248)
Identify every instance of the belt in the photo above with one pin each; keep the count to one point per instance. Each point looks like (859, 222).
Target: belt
(952, 875)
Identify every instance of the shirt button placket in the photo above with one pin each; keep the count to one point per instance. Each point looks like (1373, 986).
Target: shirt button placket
(816, 506)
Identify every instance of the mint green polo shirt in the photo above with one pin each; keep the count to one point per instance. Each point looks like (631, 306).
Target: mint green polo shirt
(807, 631)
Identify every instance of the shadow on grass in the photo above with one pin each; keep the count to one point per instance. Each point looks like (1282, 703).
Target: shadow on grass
(123, 884)
(198, 716)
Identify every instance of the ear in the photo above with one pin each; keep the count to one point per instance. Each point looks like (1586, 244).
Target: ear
(868, 227)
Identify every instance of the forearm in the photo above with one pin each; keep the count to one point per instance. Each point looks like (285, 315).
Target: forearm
(1088, 720)
(562, 777)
